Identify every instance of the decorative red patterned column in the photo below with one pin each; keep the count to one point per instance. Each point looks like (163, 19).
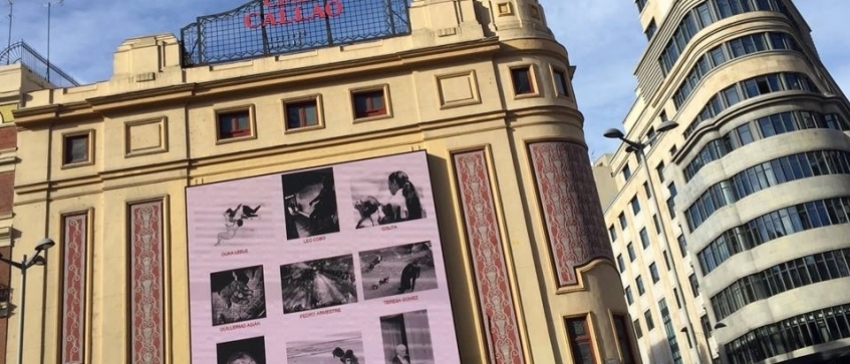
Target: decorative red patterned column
(485, 244)
(574, 219)
(75, 241)
(146, 283)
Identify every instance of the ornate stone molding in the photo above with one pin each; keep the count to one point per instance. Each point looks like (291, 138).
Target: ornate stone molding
(488, 256)
(146, 262)
(74, 263)
(567, 193)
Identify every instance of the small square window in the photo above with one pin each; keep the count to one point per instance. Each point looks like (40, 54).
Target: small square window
(369, 103)
(302, 114)
(234, 124)
(560, 83)
(522, 79)
(76, 149)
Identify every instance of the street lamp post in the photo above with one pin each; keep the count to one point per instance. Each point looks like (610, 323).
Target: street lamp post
(23, 265)
(638, 148)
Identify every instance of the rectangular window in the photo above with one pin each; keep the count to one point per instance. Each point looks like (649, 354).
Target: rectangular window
(234, 124)
(368, 104)
(647, 190)
(650, 29)
(631, 250)
(523, 83)
(560, 83)
(581, 341)
(678, 300)
(76, 149)
(302, 114)
(630, 299)
(612, 232)
(639, 284)
(640, 4)
(621, 263)
(657, 224)
(635, 205)
(620, 327)
(653, 272)
(694, 284)
(627, 173)
(666, 260)
(638, 330)
(644, 238)
(659, 170)
(623, 223)
(648, 317)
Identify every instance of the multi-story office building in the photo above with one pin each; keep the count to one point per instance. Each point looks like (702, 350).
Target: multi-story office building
(479, 88)
(22, 70)
(730, 237)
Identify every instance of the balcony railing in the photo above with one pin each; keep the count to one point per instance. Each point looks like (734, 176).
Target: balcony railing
(23, 54)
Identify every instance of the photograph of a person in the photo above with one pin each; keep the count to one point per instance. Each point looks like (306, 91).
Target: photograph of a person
(345, 348)
(309, 199)
(235, 218)
(407, 338)
(247, 351)
(397, 270)
(318, 284)
(238, 295)
(385, 198)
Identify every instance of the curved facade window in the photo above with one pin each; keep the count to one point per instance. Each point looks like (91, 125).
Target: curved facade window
(774, 225)
(749, 88)
(768, 126)
(762, 176)
(706, 14)
(811, 328)
(780, 278)
(728, 51)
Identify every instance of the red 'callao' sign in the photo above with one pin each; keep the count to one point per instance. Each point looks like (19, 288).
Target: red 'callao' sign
(299, 11)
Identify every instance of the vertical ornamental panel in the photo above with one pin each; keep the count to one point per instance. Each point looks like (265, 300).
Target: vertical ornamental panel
(146, 306)
(485, 245)
(74, 288)
(574, 220)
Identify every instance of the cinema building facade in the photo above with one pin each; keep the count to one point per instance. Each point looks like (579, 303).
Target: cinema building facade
(165, 169)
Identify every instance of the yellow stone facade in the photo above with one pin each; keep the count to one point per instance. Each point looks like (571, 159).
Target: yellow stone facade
(152, 133)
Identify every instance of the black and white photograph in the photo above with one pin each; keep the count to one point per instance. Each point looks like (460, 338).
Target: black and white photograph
(385, 198)
(235, 218)
(318, 284)
(238, 295)
(309, 199)
(407, 338)
(397, 270)
(345, 348)
(247, 351)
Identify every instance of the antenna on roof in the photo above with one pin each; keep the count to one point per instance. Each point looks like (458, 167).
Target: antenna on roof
(49, 5)
(9, 42)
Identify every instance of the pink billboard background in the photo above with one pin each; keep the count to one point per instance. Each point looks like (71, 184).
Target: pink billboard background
(335, 264)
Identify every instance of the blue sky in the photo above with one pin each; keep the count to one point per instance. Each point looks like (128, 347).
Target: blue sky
(603, 37)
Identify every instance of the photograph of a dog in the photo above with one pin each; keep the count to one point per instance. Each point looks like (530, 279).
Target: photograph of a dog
(397, 270)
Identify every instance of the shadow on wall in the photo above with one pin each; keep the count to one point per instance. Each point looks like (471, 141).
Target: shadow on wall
(484, 16)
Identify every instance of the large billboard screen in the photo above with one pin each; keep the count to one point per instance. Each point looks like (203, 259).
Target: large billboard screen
(340, 263)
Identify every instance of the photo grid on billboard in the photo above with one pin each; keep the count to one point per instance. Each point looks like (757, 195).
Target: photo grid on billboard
(339, 263)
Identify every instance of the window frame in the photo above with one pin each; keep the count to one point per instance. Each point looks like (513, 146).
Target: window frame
(89, 136)
(252, 127)
(564, 75)
(532, 81)
(385, 95)
(631, 339)
(588, 338)
(320, 120)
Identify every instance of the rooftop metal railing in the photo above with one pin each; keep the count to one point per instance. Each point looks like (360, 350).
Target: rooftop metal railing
(22, 53)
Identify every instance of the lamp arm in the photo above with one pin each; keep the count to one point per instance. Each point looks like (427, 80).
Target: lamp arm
(634, 144)
(11, 262)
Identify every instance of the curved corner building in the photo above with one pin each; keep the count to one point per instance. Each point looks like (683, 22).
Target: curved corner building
(279, 98)
(753, 188)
